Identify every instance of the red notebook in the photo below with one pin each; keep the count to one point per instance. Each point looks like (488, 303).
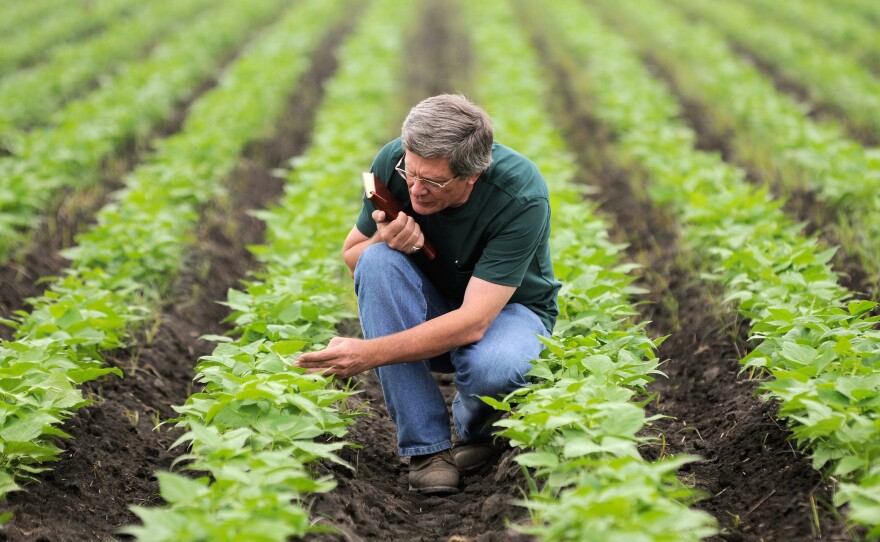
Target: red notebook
(384, 200)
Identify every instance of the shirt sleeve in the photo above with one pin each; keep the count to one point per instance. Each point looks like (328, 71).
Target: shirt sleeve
(365, 223)
(507, 255)
(383, 165)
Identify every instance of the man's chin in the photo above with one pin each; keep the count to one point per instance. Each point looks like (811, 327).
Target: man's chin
(423, 209)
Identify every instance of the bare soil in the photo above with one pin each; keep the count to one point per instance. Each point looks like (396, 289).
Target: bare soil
(804, 205)
(109, 463)
(373, 501)
(756, 485)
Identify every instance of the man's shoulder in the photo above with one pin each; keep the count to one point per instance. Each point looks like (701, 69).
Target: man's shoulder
(515, 173)
(387, 157)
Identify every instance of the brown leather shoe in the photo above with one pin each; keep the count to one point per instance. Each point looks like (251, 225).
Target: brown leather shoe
(433, 474)
(471, 457)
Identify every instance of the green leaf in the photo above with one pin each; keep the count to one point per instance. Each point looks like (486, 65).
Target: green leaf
(175, 488)
(496, 404)
(85, 375)
(216, 338)
(798, 353)
(848, 465)
(537, 459)
(288, 347)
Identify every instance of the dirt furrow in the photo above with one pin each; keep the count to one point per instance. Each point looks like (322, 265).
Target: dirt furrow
(803, 204)
(373, 501)
(109, 463)
(756, 485)
(73, 211)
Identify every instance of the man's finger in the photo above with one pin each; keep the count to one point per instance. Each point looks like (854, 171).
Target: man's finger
(378, 216)
(319, 370)
(316, 357)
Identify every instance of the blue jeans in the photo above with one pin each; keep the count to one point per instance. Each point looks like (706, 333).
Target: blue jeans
(393, 296)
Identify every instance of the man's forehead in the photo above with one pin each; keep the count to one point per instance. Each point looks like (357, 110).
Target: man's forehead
(439, 163)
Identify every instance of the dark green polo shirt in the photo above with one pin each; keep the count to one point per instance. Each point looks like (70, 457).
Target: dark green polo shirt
(501, 234)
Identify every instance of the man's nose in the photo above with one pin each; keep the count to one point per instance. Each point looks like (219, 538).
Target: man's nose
(418, 188)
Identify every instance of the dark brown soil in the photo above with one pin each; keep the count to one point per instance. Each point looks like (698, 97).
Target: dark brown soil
(373, 502)
(73, 211)
(817, 108)
(756, 485)
(109, 463)
(804, 205)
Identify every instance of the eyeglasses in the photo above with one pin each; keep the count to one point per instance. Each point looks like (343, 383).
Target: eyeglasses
(434, 186)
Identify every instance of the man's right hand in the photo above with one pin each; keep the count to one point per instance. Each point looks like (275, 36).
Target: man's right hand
(403, 233)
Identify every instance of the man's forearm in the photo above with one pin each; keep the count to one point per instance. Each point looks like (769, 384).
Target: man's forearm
(347, 357)
(467, 324)
(351, 254)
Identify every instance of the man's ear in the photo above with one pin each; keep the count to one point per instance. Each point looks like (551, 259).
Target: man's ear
(473, 178)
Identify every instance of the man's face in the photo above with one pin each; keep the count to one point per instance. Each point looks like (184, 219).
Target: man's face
(428, 199)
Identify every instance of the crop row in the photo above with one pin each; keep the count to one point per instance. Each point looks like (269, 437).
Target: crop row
(29, 97)
(66, 22)
(18, 17)
(830, 78)
(820, 348)
(843, 30)
(70, 153)
(254, 426)
(867, 8)
(295, 303)
(579, 422)
(766, 129)
(122, 266)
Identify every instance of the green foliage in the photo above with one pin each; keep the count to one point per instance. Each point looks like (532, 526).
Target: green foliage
(622, 498)
(580, 418)
(18, 17)
(69, 153)
(29, 97)
(254, 426)
(845, 31)
(821, 348)
(830, 77)
(66, 22)
(765, 128)
(122, 267)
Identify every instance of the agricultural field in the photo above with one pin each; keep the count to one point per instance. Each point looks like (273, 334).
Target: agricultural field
(176, 181)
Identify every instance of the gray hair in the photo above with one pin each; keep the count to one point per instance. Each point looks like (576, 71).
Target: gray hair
(450, 126)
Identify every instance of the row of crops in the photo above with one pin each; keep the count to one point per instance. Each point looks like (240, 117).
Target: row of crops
(255, 428)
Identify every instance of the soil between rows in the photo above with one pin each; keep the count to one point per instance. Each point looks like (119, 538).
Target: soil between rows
(757, 486)
(759, 489)
(109, 463)
(73, 211)
(373, 501)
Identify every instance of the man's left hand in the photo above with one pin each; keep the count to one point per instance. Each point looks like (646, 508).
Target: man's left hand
(343, 357)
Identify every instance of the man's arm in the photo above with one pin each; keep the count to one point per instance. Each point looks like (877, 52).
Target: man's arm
(467, 324)
(402, 233)
(354, 245)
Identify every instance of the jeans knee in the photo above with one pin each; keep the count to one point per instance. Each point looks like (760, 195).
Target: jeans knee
(500, 379)
(380, 257)
(371, 258)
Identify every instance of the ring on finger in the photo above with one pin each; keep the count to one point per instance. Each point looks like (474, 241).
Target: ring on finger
(415, 249)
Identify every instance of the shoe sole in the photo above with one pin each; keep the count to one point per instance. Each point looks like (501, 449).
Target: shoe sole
(435, 490)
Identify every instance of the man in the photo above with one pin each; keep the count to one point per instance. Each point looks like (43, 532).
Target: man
(476, 310)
